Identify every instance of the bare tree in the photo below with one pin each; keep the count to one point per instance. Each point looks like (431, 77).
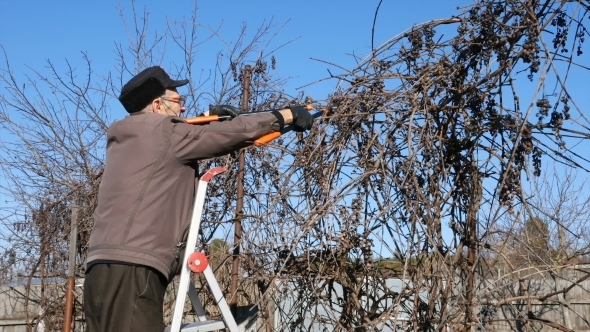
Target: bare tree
(427, 151)
(56, 121)
(547, 243)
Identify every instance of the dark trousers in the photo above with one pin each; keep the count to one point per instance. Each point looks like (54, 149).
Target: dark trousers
(123, 298)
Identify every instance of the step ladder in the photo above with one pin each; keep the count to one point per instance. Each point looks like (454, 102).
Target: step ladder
(197, 262)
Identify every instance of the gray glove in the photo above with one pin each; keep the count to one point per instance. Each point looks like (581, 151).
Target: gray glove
(224, 110)
(302, 119)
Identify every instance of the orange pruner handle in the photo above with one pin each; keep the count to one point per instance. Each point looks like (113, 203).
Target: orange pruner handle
(267, 138)
(202, 119)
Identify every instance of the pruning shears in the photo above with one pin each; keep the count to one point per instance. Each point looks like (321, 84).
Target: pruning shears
(200, 120)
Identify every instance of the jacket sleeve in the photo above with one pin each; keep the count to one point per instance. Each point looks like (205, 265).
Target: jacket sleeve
(194, 142)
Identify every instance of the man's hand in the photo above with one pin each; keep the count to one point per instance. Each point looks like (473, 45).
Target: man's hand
(224, 110)
(302, 119)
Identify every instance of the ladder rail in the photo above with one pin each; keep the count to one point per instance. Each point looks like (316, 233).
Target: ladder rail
(220, 300)
(197, 306)
(190, 243)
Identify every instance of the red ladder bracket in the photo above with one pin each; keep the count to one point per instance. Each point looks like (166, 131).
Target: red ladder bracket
(197, 262)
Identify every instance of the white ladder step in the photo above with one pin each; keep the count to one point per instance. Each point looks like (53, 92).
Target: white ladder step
(206, 325)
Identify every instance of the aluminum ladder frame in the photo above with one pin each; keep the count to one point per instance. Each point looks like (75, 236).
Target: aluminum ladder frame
(197, 262)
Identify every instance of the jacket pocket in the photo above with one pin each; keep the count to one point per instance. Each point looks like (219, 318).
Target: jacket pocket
(179, 251)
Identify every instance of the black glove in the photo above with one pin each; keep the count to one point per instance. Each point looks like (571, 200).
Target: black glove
(301, 118)
(224, 110)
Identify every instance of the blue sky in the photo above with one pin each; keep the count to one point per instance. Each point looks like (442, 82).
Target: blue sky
(35, 31)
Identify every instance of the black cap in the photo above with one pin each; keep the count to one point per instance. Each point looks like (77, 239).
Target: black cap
(146, 86)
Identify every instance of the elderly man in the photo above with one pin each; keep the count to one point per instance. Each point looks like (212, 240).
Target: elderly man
(146, 194)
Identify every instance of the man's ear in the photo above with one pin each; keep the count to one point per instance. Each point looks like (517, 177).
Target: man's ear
(156, 104)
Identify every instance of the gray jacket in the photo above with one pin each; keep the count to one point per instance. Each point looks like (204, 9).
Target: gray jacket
(146, 194)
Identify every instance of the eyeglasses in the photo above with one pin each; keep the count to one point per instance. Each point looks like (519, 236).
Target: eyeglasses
(180, 100)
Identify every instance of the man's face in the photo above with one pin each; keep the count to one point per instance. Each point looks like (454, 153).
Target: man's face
(171, 103)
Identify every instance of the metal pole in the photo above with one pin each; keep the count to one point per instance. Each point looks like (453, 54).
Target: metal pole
(68, 312)
(233, 304)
